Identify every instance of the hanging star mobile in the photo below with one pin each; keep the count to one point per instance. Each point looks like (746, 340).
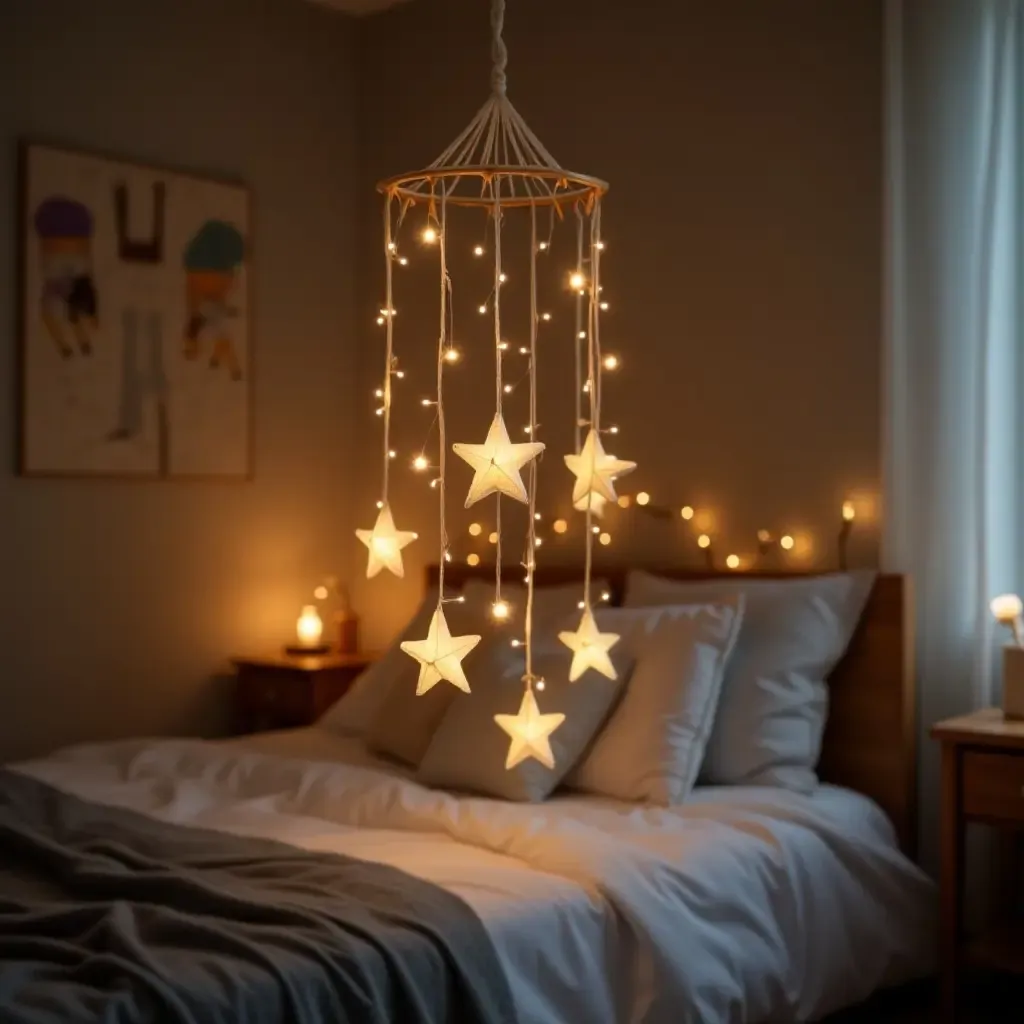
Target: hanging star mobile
(530, 732)
(590, 648)
(385, 545)
(497, 463)
(440, 655)
(595, 471)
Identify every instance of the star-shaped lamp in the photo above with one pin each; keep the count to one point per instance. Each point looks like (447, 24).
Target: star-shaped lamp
(596, 502)
(385, 544)
(496, 463)
(440, 655)
(595, 471)
(530, 732)
(589, 648)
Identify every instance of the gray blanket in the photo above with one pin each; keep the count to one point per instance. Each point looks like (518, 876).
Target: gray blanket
(106, 915)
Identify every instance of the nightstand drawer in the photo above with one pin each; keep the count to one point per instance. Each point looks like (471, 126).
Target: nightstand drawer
(993, 785)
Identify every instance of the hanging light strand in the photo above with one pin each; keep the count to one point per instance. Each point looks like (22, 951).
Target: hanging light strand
(577, 341)
(500, 58)
(389, 328)
(593, 395)
(531, 529)
(442, 342)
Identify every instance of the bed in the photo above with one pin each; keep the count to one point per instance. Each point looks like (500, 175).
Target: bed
(743, 904)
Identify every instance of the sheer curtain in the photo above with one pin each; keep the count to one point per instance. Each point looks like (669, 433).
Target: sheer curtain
(954, 475)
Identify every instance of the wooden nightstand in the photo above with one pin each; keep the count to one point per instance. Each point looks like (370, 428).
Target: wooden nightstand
(283, 691)
(982, 781)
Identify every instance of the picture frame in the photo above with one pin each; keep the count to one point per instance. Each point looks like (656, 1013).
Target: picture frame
(135, 342)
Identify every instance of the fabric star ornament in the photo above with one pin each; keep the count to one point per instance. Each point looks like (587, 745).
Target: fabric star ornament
(596, 502)
(530, 732)
(385, 545)
(595, 470)
(440, 655)
(590, 648)
(496, 463)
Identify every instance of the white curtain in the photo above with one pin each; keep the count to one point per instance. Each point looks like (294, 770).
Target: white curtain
(954, 476)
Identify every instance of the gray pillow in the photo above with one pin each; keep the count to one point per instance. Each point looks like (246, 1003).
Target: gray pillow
(651, 749)
(468, 750)
(774, 701)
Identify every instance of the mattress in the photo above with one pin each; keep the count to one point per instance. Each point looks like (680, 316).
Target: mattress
(744, 904)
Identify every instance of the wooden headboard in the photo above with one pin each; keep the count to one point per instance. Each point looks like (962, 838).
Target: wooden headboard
(870, 742)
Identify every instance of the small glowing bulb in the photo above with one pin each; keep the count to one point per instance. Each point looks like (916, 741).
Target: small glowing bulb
(523, 350)
(605, 539)
(604, 307)
(493, 538)
(379, 393)
(473, 559)
(582, 335)
(392, 247)
(380, 504)
(503, 346)
(309, 627)
(403, 262)
(478, 250)
(625, 501)
(426, 402)
(703, 541)
(502, 278)
(545, 316)
(786, 542)
(500, 610)
(581, 605)
(475, 529)
(434, 483)
(419, 463)
(577, 280)
(560, 526)
(391, 312)
(537, 516)
(320, 593)
(380, 412)
(429, 235)
(643, 498)
(537, 541)
(507, 389)
(542, 246)
(482, 308)
(605, 596)
(539, 684)
(849, 512)
(391, 454)
(613, 430)
(380, 319)
(733, 561)
(599, 246)
(400, 374)
(516, 643)
(447, 556)
(527, 430)
(686, 512)
(611, 362)
(595, 530)
(451, 355)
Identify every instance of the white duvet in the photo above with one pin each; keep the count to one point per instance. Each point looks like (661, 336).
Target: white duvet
(745, 904)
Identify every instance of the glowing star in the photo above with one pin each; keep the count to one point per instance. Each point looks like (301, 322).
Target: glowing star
(530, 732)
(595, 471)
(590, 648)
(497, 463)
(385, 544)
(440, 655)
(596, 501)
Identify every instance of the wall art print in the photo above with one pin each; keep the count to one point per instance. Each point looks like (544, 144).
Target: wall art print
(135, 334)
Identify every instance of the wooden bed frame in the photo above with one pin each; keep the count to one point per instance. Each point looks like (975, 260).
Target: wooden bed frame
(870, 743)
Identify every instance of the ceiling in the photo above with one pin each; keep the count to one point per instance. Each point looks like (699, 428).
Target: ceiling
(358, 6)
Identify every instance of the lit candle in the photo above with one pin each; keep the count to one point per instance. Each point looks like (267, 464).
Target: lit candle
(309, 627)
(1007, 609)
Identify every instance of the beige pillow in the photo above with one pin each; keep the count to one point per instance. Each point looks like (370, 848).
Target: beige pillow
(651, 748)
(469, 749)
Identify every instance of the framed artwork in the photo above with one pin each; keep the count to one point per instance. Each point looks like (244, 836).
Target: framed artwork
(136, 357)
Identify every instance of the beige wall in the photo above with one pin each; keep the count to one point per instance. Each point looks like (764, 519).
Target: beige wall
(742, 140)
(118, 602)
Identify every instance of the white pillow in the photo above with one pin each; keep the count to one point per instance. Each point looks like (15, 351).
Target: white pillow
(774, 701)
(651, 748)
(469, 749)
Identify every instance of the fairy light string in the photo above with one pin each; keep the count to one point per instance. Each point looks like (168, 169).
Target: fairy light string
(442, 344)
(389, 328)
(531, 529)
(577, 341)
(500, 52)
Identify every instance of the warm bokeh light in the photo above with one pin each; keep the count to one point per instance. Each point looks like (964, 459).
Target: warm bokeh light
(560, 526)
(786, 543)
(472, 559)
(611, 362)
(501, 610)
(703, 541)
(320, 593)
(733, 561)
(493, 537)
(475, 529)
(605, 539)
(643, 498)
(849, 512)
(686, 512)
(452, 355)
(309, 627)
(577, 280)
(704, 520)
(625, 501)
(429, 235)
(420, 463)
(478, 251)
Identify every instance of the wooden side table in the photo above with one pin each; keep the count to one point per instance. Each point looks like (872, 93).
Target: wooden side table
(982, 781)
(283, 691)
